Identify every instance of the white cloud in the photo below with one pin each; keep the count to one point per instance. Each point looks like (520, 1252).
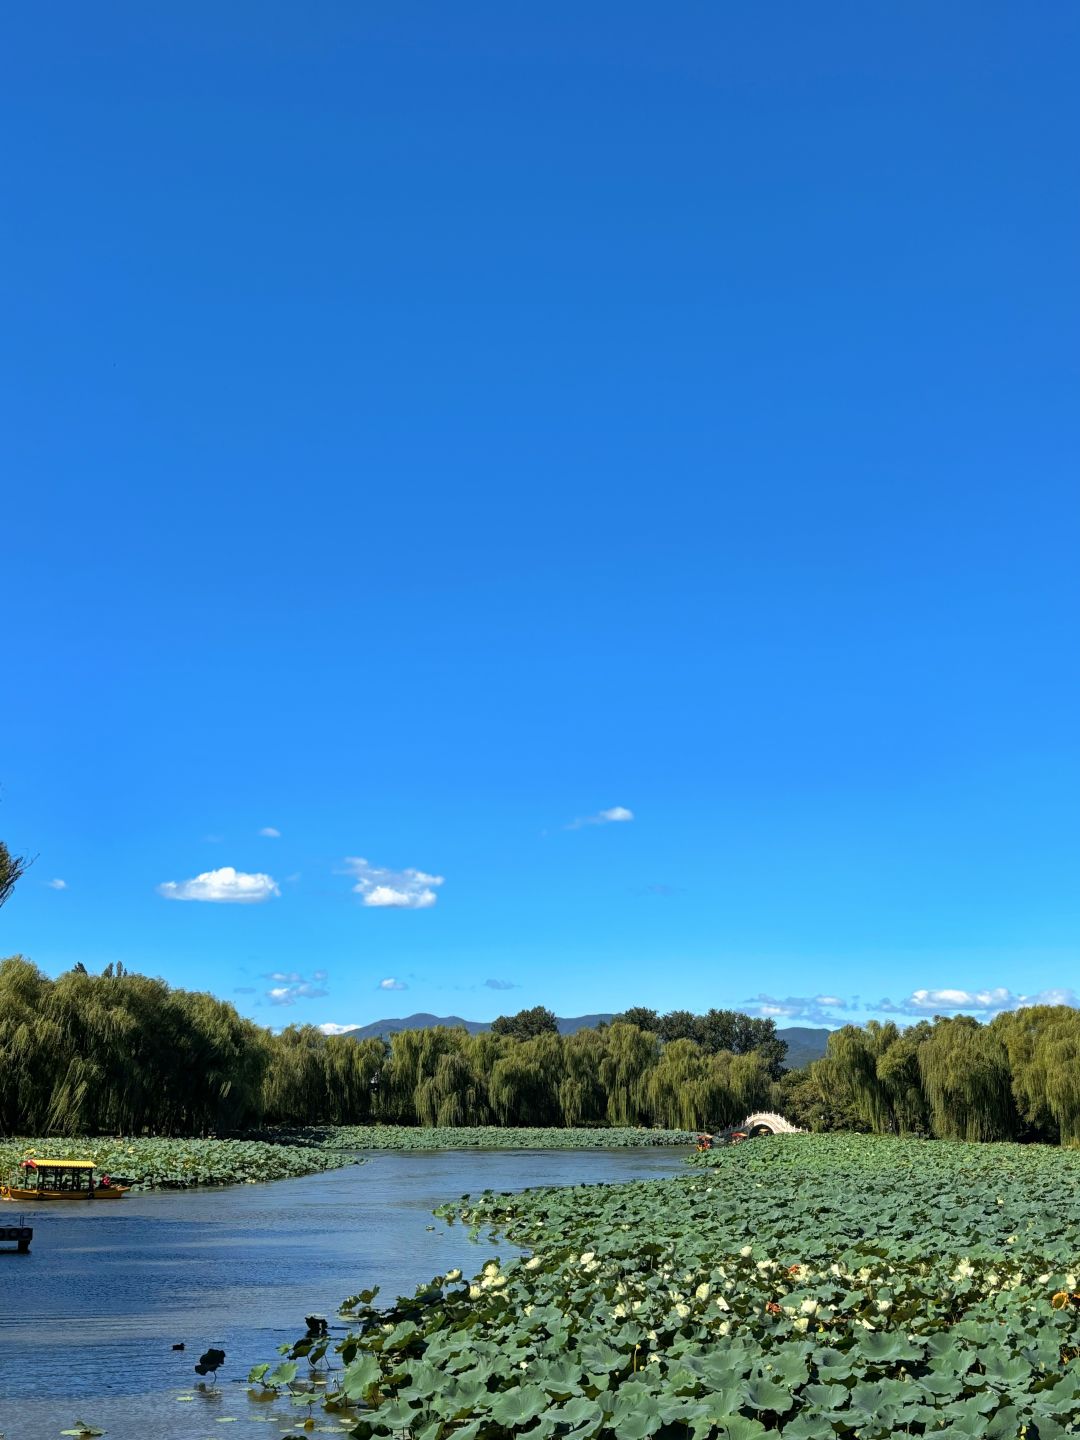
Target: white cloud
(269, 833)
(501, 984)
(392, 984)
(817, 1008)
(224, 886)
(296, 989)
(990, 1001)
(332, 1028)
(392, 889)
(58, 884)
(617, 815)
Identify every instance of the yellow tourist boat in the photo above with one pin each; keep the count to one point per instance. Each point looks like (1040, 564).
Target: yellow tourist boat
(60, 1180)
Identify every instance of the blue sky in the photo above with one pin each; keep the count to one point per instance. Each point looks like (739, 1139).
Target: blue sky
(429, 428)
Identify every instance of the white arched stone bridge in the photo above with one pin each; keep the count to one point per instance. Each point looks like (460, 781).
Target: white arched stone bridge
(768, 1122)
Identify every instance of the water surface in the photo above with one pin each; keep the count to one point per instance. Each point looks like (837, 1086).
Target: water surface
(89, 1318)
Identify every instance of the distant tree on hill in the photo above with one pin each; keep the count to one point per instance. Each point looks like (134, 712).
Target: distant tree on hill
(678, 1025)
(732, 1030)
(713, 1032)
(640, 1016)
(527, 1023)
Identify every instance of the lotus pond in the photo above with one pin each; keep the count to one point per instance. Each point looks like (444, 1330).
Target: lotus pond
(496, 1137)
(157, 1164)
(814, 1286)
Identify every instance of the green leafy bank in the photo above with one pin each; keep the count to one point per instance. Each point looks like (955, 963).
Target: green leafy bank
(811, 1286)
(498, 1137)
(155, 1163)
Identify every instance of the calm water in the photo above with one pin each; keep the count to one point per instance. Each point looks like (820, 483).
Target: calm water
(89, 1318)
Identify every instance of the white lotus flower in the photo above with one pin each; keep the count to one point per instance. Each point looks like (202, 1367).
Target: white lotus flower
(801, 1324)
(453, 1274)
(534, 1263)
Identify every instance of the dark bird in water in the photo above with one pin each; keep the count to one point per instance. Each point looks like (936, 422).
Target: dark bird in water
(211, 1362)
(179, 1347)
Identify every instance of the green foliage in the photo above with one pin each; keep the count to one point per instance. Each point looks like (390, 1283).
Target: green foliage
(495, 1137)
(12, 868)
(1043, 1047)
(121, 1052)
(965, 1075)
(812, 1099)
(527, 1024)
(1018, 1077)
(807, 1286)
(715, 1031)
(154, 1163)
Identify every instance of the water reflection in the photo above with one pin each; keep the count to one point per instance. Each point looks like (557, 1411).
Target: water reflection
(88, 1320)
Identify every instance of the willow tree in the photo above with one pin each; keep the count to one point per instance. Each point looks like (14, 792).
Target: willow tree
(294, 1088)
(453, 1094)
(582, 1100)
(1043, 1047)
(900, 1077)
(12, 868)
(414, 1055)
(122, 1052)
(675, 1087)
(631, 1054)
(737, 1085)
(29, 1047)
(814, 1099)
(854, 1052)
(524, 1085)
(351, 1068)
(965, 1073)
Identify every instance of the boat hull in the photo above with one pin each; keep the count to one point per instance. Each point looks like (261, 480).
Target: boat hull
(34, 1197)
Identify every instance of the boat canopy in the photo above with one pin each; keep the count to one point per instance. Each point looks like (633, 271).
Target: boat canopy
(58, 1164)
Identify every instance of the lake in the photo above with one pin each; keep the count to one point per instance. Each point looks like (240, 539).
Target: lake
(89, 1318)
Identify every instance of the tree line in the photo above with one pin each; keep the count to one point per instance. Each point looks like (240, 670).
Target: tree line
(1016, 1077)
(122, 1053)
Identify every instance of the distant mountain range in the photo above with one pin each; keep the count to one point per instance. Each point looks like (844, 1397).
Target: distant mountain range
(804, 1043)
